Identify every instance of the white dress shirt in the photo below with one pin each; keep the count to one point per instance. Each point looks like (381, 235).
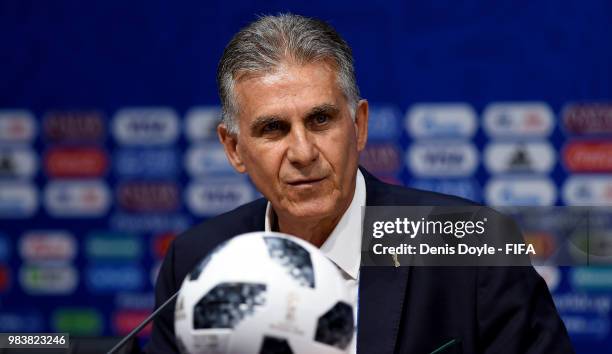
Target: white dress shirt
(343, 246)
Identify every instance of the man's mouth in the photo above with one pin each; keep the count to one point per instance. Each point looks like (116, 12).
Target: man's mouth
(305, 182)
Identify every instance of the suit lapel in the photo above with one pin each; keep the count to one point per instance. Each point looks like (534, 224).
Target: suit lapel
(381, 297)
(382, 291)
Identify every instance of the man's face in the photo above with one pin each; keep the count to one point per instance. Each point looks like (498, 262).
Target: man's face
(297, 140)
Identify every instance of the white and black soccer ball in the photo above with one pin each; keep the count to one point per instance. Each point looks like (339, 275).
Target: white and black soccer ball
(264, 293)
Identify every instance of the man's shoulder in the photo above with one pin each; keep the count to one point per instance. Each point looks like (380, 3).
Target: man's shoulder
(380, 194)
(208, 234)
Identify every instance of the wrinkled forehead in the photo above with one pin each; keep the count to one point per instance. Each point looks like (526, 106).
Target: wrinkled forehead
(288, 89)
(284, 63)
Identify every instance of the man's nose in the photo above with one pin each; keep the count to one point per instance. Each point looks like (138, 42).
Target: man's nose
(302, 149)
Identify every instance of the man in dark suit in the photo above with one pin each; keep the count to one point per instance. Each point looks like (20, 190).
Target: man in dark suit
(293, 120)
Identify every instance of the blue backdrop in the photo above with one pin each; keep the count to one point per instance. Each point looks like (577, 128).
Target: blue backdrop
(107, 148)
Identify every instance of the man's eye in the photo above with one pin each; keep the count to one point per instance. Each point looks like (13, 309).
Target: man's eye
(321, 119)
(270, 127)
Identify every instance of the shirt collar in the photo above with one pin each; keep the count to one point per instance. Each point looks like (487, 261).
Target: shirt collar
(343, 246)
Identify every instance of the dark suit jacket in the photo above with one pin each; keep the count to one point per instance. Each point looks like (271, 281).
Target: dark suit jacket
(401, 310)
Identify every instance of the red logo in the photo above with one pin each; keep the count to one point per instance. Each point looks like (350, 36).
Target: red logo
(588, 118)
(5, 278)
(542, 242)
(588, 156)
(380, 158)
(76, 162)
(74, 126)
(533, 120)
(16, 126)
(125, 321)
(148, 196)
(161, 243)
(48, 245)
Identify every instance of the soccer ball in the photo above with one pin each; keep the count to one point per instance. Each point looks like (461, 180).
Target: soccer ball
(264, 293)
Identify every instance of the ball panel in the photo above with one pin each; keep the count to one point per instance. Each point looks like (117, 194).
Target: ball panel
(293, 257)
(227, 304)
(291, 307)
(274, 345)
(336, 326)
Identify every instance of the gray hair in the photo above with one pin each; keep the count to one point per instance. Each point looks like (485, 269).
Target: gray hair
(264, 44)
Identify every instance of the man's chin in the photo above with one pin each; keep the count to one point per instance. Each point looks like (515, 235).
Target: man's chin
(313, 209)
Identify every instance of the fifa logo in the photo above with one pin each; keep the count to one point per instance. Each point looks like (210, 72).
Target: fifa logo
(292, 303)
(290, 323)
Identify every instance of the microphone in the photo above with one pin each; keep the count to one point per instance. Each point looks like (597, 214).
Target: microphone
(146, 321)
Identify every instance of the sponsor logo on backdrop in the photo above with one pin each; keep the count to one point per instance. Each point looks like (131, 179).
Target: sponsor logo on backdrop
(383, 122)
(588, 190)
(113, 246)
(151, 162)
(83, 321)
(584, 315)
(77, 198)
(543, 243)
(154, 222)
(74, 126)
(76, 162)
(381, 158)
(551, 275)
(436, 120)
(112, 277)
(212, 197)
(436, 159)
(201, 123)
(16, 126)
(528, 119)
(47, 245)
(466, 188)
(17, 162)
(518, 157)
(591, 278)
(148, 196)
(48, 279)
(161, 243)
(583, 303)
(17, 199)
(207, 160)
(139, 301)
(28, 322)
(5, 247)
(593, 246)
(586, 327)
(146, 126)
(5, 278)
(127, 320)
(588, 118)
(588, 156)
(538, 191)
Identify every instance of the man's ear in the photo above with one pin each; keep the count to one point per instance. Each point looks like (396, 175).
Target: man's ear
(361, 124)
(230, 145)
